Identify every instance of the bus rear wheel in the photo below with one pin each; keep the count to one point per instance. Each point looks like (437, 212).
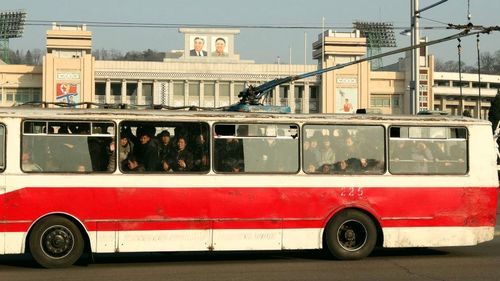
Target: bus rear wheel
(56, 242)
(351, 235)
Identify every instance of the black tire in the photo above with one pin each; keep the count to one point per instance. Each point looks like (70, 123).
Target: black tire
(351, 235)
(56, 242)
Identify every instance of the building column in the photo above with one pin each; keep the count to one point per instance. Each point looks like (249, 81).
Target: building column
(124, 92)
(216, 93)
(108, 91)
(138, 98)
(202, 93)
(305, 98)
(442, 106)
(291, 97)
(276, 97)
(156, 88)
(170, 92)
(231, 92)
(186, 92)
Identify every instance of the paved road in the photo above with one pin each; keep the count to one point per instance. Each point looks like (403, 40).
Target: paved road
(477, 263)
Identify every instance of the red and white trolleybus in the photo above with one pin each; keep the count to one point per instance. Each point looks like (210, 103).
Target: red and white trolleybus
(105, 181)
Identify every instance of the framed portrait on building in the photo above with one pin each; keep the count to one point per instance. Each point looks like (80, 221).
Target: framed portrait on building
(198, 46)
(219, 46)
(346, 100)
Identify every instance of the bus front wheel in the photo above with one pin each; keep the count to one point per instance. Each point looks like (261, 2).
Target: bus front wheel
(351, 235)
(56, 242)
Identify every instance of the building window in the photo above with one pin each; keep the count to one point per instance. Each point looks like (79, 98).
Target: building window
(179, 89)
(465, 84)
(131, 89)
(147, 89)
(284, 92)
(194, 89)
(209, 90)
(116, 89)
(23, 95)
(224, 89)
(494, 85)
(395, 101)
(299, 92)
(476, 85)
(100, 88)
(313, 92)
(385, 101)
(238, 87)
(442, 83)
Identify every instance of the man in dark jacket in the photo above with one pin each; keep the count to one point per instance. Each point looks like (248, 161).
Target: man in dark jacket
(147, 152)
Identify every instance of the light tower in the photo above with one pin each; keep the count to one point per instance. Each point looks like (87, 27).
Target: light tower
(11, 26)
(378, 35)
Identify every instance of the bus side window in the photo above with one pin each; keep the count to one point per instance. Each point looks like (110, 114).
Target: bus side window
(65, 146)
(256, 148)
(163, 147)
(2, 147)
(428, 150)
(343, 149)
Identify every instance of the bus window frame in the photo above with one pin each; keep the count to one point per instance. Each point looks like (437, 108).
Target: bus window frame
(4, 140)
(161, 172)
(385, 147)
(466, 139)
(276, 136)
(46, 133)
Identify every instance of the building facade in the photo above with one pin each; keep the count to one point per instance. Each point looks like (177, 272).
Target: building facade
(208, 72)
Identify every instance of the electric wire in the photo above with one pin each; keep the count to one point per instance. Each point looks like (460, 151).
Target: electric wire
(103, 24)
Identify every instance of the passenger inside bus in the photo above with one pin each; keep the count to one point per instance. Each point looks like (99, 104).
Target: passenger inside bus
(133, 164)
(28, 165)
(146, 150)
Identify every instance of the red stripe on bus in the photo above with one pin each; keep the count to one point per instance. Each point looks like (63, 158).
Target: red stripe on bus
(112, 209)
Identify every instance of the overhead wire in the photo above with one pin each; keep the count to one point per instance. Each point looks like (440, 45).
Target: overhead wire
(105, 24)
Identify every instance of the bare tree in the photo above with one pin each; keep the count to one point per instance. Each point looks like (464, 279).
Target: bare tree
(28, 58)
(487, 63)
(37, 56)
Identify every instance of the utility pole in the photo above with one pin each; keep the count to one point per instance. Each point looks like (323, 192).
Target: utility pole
(415, 54)
(415, 57)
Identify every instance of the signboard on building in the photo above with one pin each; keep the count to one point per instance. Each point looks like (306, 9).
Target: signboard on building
(346, 100)
(347, 80)
(68, 92)
(68, 76)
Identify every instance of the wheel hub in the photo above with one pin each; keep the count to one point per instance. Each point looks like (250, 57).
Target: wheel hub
(57, 241)
(352, 235)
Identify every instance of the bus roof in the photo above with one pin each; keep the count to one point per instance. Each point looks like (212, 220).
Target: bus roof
(155, 115)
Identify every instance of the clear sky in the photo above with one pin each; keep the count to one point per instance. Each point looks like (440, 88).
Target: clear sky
(261, 45)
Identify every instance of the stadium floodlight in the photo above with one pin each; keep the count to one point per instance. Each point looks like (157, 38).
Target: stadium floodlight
(378, 35)
(11, 26)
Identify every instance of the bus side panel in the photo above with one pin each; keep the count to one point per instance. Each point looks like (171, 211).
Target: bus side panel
(2, 218)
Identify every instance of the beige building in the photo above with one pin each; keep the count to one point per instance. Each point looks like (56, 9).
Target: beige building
(213, 75)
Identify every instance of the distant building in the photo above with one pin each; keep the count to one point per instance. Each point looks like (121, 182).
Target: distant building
(208, 72)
